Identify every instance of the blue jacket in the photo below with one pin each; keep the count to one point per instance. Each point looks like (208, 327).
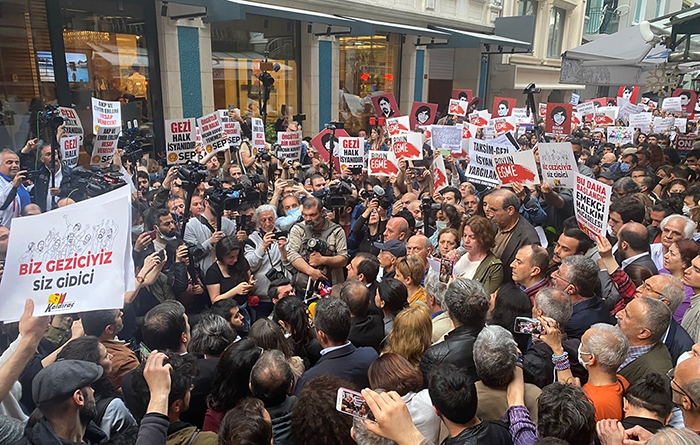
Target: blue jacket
(349, 363)
(587, 313)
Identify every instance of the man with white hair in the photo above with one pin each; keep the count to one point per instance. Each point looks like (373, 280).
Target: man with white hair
(435, 301)
(495, 357)
(266, 254)
(673, 228)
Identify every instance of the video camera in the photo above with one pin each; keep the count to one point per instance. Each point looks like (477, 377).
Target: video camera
(51, 116)
(192, 173)
(134, 143)
(97, 181)
(428, 205)
(334, 198)
(379, 194)
(234, 197)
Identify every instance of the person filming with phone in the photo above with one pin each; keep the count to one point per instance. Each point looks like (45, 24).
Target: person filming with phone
(266, 253)
(13, 196)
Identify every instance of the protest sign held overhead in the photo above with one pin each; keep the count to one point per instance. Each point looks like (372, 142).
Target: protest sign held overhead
(559, 166)
(620, 135)
(72, 125)
(688, 99)
(457, 108)
(628, 110)
(502, 107)
(212, 133)
(480, 118)
(576, 119)
(605, 116)
(542, 110)
(445, 136)
(385, 105)
(591, 202)
(408, 146)
(480, 169)
(322, 143)
(641, 121)
(463, 95)
(468, 130)
(558, 120)
(575, 98)
(681, 124)
(503, 124)
(663, 123)
(439, 173)
(382, 163)
(517, 168)
(398, 125)
(684, 143)
(69, 151)
(629, 93)
(672, 104)
(289, 146)
(351, 152)
(71, 259)
(105, 145)
(105, 114)
(422, 114)
(586, 108)
(180, 139)
(521, 117)
(232, 128)
(258, 135)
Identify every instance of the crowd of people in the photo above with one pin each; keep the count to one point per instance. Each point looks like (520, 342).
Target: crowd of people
(267, 286)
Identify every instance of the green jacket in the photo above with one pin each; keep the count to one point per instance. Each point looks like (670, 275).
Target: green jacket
(490, 273)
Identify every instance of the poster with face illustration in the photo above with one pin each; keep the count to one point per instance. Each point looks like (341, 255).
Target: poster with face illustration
(422, 114)
(558, 120)
(688, 100)
(629, 93)
(385, 105)
(502, 107)
(465, 95)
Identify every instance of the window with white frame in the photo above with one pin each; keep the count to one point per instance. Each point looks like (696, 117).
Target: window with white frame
(528, 7)
(556, 32)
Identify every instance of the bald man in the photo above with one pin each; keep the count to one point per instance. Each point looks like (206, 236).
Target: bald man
(502, 207)
(633, 246)
(396, 228)
(685, 387)
(420, 246)
(4, 239)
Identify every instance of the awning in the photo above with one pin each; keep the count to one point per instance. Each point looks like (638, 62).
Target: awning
(469, 39)
(366, 27)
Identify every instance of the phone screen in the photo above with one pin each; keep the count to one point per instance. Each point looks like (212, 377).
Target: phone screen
(525, 325)
(352, 403)
(446, 267)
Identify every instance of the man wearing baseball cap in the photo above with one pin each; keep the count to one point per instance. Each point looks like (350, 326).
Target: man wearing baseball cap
(63, 395)
(389, 253)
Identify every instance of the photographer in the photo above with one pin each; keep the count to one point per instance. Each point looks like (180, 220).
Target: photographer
(13, 195)
(317, 248)
(186, 279)
(43, 194)
(266, 253)
(369, 227)
(202, 232)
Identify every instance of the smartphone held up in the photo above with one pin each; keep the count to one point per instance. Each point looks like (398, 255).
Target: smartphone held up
(352, 403)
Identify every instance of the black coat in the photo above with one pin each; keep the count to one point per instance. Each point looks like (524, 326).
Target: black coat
(523, 234)
(457, 349)
(42, 183)
(587, 313)
(677, 341)
(538, 368)
(367, 331)
(485, 433)
(349, 363)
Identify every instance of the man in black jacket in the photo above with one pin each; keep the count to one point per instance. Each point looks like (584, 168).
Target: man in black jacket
(43, 194)
(271, 379)
(467, 304)
(365, 329)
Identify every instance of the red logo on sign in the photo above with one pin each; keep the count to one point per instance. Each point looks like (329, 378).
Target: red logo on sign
(440, 178)
(396, 128)
(504, 126)
(405, 150)
(456, 108)
(378, 165)
(478, 121)
(511, 173)
(603, 119)
(466, 134)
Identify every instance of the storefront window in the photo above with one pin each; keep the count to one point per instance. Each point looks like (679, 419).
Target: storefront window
(238, 48)
(24, 38)
(106, 57)
(368, 66)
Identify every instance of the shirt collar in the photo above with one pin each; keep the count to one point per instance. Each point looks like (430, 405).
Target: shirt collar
(534, 285)
(332, 348)
(628, 261)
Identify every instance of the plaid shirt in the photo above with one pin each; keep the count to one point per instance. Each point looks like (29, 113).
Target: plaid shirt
(634, 353)
(625, 287)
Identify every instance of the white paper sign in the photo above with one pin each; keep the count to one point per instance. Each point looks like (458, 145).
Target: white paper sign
(586, 108)
(628, 110)
(672, 105)
(681, 123)
(662, 124)
(69, 151)
(439, 173)
(398, 125)
(258, 133)
(180, 139)
(521, 117)
(290, 146)
(408, 146)
(232, 128)
(518, 167)
(105, 145)
(212, 133)
(351, 152)
(591, 202)
(575, 98)
(445, 136)
(559, 167)
(480, 169)
(480, 118)
(105, 114)
(382, 163)
(503, 125)
(72, 125)
(457, 108)
(641, 121)
(70, 260)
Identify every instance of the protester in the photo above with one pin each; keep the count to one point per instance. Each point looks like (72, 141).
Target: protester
(479, 263)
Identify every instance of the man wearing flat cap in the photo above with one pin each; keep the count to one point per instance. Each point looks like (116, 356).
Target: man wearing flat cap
(63, 395)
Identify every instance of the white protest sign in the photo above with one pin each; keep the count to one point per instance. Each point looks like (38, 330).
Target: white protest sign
(290, 146)
(480, 118)
(672, 105)
(559, 167)
(591, 202)
(445, 136)
(457, 108)
(480, 169)
(408, 146)
(586, 108)
(627, 110)
(72, 125)
(70, 260)
(439, 173)
(105, 114)
(620, 135)
(105, 144)
(258, 134)
(212, 133)
(398, 125)
(681, 123)
(521, 117)
(662, 124)
(352, 153)
(641, 121)
(503, 124)
(575, 98)
(468, 130)
(232, 129)
(69, 151)
(517, 168)
(382, 163)
(180, 139)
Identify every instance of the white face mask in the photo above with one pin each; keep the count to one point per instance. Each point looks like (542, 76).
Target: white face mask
(686, 210)
(610, 232)
(419, 224)
(580, 360)
(440, 225)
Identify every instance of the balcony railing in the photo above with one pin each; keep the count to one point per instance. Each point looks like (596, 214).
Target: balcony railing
(600, 22)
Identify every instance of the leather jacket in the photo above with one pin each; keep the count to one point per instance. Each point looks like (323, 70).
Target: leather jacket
(457, 349)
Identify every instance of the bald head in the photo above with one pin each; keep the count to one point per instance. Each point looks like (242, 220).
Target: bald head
(503, 208)
(31, 209)
(419, 245)
(408, 198)
(632, 239)
(687, 377)
(664, 287)
(609, 158)
(396, 228)
(65, 202)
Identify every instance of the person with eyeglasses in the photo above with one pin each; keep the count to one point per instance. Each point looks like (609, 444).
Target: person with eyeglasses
(685, 389)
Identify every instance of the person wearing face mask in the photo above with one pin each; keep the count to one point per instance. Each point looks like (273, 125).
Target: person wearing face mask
(602, 350)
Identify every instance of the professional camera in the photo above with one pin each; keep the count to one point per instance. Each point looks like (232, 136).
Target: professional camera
(334, 198)
(427, 204)
(134, 143)
(51, 116)
(192, 173)
(96, 182)
(231, 198)
(377, 193)
(263, 155)
(315, 245)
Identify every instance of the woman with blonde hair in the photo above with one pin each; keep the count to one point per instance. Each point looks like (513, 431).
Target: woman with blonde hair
(410, 270)
(411, 334)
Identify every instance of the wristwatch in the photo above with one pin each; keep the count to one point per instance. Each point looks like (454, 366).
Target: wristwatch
(140, 279)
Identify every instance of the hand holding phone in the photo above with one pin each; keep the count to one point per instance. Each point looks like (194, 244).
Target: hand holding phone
(352, 403)
(526, 325)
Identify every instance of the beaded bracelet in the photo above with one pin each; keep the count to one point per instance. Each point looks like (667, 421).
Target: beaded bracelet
(561, 363)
